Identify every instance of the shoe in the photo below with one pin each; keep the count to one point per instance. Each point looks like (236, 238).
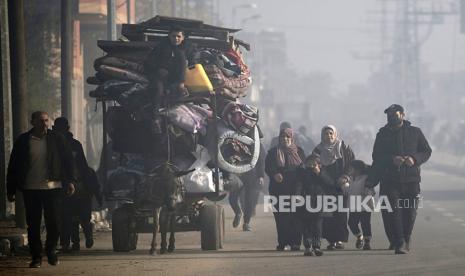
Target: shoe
(308, 252)
(280, 248)
(246, 227)
(317, 252)
(331, 246)
(35, 263)
(407, 243)
(76, 247)
(339, 245)
(366, 245)
(237, 220)
(65, 249)
(391, 246)
(401, 249)
(359, 242)
(89, 243)
(52, 258)
(295, 248)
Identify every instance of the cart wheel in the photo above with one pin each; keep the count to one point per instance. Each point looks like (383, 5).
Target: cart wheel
(123, 233)
(210, 227)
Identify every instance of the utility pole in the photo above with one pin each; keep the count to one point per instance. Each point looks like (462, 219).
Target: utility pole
(408, 43)
(2, 133)
(2, 151)
(111, 20)
(66, 57)
(173, 8)
(18, 86)
(154, 8)
(128, 10)
(400, 57)
(5, 107)
(111, 35)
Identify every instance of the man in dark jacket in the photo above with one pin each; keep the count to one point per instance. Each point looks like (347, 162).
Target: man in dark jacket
(254, 181)
(399, 151)
(41, 167)
(248, 193)
(166, 65)
(78, 207)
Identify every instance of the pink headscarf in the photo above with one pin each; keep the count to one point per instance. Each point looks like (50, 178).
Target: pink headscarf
(287, 153)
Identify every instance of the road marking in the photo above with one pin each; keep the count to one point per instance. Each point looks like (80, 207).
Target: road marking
(447, 214)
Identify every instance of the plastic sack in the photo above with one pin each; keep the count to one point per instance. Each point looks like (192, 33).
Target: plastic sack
(200, 180)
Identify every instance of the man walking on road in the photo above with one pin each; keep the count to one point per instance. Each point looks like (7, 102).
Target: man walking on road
(77, 208)
(41, 166)
(399, 151)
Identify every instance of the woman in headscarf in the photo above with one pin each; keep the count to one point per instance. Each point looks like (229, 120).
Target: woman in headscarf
(280, 165)
(335, 157)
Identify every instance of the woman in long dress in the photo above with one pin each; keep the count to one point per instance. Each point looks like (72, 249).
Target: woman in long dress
(335, 157)
(280, 165)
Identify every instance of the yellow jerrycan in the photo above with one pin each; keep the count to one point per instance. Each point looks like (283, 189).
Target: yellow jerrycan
(197, 80)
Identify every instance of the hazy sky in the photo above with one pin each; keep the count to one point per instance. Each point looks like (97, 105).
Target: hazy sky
(324, 35)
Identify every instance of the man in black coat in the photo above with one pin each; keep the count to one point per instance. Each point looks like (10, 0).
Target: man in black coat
(399, 151)
(41, 167)
(248, 192)
(78, 207)
(254, 181)
(166, 65)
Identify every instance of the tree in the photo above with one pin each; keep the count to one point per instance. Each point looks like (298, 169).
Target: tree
(43, 54)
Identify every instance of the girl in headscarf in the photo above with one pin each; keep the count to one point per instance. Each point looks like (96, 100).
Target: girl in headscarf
(280, 165)
(335, 157)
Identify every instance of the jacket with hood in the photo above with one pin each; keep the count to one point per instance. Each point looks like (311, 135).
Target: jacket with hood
(404, 141)
(84, 174)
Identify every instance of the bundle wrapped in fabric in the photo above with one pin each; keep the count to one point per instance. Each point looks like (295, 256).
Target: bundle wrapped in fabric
(228, 73)
(119, 63)
(122, 74)
(240, 117)
(189, 117)
(230, 87)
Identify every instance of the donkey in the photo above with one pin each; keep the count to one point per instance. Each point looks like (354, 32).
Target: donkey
(163, 190)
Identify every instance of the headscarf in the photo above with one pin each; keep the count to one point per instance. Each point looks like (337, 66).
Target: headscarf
(329, 152)
(287, 153)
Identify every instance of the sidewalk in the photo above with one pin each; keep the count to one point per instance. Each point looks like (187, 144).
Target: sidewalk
(17, 237)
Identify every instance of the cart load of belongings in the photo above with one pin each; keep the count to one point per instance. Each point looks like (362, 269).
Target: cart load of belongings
(218, 72)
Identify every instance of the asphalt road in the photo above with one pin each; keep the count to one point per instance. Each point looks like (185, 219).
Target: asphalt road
(438, 248)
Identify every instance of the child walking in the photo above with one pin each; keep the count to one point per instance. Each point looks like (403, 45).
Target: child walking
(312, 183)
(360, 217)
